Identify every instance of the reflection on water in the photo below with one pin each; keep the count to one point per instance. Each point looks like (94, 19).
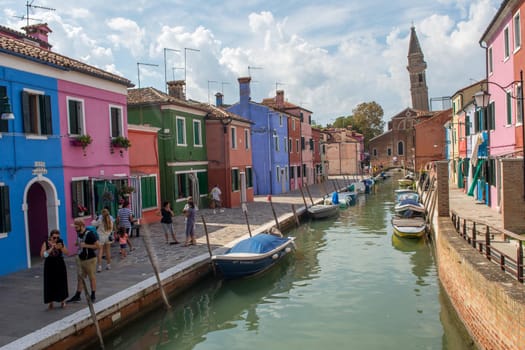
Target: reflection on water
(350, 284)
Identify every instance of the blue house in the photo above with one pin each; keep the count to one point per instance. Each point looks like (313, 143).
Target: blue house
(269, 142)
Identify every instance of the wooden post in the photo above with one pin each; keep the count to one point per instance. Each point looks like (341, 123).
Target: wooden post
(309, 194)
(295, 215)
(304, 198)
(147, 243)
(208, 244)
(487, 243)
(274, 214)
(93, 314)
(245, 211)
(325, 190)
(520, 261)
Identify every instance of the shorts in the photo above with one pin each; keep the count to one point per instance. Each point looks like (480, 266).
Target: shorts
(123, 246)
(103, 238)
(167, 228)
(86, 268)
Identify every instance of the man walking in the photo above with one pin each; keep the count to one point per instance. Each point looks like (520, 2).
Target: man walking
(86, 259)
(216, 197)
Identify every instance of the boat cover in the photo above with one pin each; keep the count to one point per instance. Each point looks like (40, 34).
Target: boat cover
(409, 201)
(261, 243)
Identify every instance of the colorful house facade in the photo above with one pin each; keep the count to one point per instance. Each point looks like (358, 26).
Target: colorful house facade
(269, 142)
(45, 178)
(183, 164)
(229, 147)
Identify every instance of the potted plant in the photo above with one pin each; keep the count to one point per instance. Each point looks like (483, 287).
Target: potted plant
(81, 209)
(82, 141)
(126, 190)
(121, 142)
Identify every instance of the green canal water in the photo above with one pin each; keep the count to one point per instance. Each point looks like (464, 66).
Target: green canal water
(350, 285)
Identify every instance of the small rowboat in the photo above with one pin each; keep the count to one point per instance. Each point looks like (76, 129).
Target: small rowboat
(322, 211)
(409, 228)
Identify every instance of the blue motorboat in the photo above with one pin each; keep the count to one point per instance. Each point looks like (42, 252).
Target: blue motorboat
(253, 255)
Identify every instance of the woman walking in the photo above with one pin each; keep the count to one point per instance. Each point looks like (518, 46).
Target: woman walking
(104, 226)
(55, 273)
(189, 212)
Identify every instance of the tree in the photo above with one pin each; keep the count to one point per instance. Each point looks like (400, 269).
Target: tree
(367, 119)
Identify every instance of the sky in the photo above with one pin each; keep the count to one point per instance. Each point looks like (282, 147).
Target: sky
(326, 56)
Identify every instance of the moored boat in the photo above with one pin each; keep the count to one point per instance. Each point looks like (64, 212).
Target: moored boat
(253, 255)
(321, 211)
(414, 227)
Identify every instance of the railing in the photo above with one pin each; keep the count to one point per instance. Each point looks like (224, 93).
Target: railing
(495, 244)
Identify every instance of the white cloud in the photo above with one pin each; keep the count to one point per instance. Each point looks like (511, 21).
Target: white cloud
(128, 34)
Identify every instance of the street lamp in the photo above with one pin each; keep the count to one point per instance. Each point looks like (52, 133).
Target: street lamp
(482, 99)
(165, 67)
(138, 69)
(7, 112)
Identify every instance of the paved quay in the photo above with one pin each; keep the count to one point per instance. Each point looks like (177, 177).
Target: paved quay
(25, 317)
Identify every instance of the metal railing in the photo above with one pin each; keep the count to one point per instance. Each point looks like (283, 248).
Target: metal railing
(495, 244)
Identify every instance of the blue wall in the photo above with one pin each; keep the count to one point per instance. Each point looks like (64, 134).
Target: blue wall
(17, 162)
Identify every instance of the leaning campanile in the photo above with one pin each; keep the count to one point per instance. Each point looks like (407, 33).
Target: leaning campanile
(416, 68)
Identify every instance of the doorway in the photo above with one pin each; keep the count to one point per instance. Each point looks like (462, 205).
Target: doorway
(37, 222)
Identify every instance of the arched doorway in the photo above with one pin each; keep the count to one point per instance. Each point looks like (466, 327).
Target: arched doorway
(37, 217)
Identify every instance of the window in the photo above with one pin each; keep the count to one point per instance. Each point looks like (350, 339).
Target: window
(276, 142)
(280, 120)
(249, 177)
(298, 171)
(293, 124)
(75, 117)
(285, 143)
(246, 139)
(290, 145)
(304, 170)
(374, 152)
(234, 137)
(490, 60)
(467, 125)
(181, 131)
(519, 105)
(506, 43)
(297, 145)
(148, 187)
(235, 179)
(3, 123)
(400, 148)
(301, 116)
(509, 107)
(116, 122)
(324, 149)
(197, 132)
(389, 151)
(291, 174)
(81, 198)
(5, 210)
(36, 111)
(311, 142)
(491, 116)
(517, 31)
(310, 119)
(278, 173)
(303, 143)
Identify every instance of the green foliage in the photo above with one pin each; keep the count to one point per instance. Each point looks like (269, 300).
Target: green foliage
(367, 119)
(121, 141)
(84, 140)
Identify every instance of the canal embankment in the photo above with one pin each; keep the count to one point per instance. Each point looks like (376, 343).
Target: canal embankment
(490, 303)
(130, 288)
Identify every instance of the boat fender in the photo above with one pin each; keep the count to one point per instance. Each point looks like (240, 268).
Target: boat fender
(275, 256)
(288, 249)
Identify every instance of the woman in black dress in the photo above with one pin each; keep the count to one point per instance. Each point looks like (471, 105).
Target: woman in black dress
(55, 274)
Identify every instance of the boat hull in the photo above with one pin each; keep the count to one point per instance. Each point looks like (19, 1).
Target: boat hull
(321, 211)
(409, 228)
(242, 265)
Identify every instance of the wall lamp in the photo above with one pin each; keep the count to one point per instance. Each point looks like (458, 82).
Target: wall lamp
(225, 122)
(7, 112)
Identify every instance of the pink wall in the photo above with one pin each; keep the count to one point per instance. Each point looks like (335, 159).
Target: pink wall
(98, 161)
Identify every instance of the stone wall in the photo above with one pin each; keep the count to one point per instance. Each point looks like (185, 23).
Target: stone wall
(490, 303)
(512, 199)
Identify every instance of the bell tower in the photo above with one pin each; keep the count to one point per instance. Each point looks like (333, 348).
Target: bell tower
(416, 69)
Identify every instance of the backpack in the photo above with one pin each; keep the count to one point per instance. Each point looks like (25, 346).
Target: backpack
(92, 229)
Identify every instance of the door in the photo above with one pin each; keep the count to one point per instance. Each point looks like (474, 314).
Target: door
(37, 217)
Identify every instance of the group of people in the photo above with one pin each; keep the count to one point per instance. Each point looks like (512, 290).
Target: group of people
(91, 239)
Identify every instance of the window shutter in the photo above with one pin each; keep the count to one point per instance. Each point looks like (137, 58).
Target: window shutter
(5, 211)
(26, 115)
(73, 117)
(46, 119)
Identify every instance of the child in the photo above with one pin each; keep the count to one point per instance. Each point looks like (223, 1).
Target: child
(123, 241)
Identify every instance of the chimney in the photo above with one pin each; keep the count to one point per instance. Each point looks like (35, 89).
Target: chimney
(279, 98)
(39, 31)
(218, 99)
(176, 89)
(244, 90)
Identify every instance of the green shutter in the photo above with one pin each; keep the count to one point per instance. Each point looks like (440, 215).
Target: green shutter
(26, 115)
(46, 122)
(5, 211)
(509, 109)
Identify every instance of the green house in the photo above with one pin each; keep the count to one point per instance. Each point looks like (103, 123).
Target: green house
(182, 153)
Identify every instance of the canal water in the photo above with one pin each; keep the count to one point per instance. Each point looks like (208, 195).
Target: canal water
(350, 285)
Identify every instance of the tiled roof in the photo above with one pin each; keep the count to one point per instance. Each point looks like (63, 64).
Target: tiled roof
(28, 51)
(270, 102)
(22, 36)
(150, 95)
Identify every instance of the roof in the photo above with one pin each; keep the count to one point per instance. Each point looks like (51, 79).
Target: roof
(150, 95)
(447, 113)
(23, 36)
(504, 10)
(271, 102)
(414, 47)
(25, 50)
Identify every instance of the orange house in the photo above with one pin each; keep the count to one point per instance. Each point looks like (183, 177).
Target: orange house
(229, 148)
(144, 164)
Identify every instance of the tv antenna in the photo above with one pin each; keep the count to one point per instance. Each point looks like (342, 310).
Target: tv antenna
(250, 68)
(29, 5)
(277, 84)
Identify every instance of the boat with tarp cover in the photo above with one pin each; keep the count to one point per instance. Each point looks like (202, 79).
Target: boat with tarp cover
(253, 255)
